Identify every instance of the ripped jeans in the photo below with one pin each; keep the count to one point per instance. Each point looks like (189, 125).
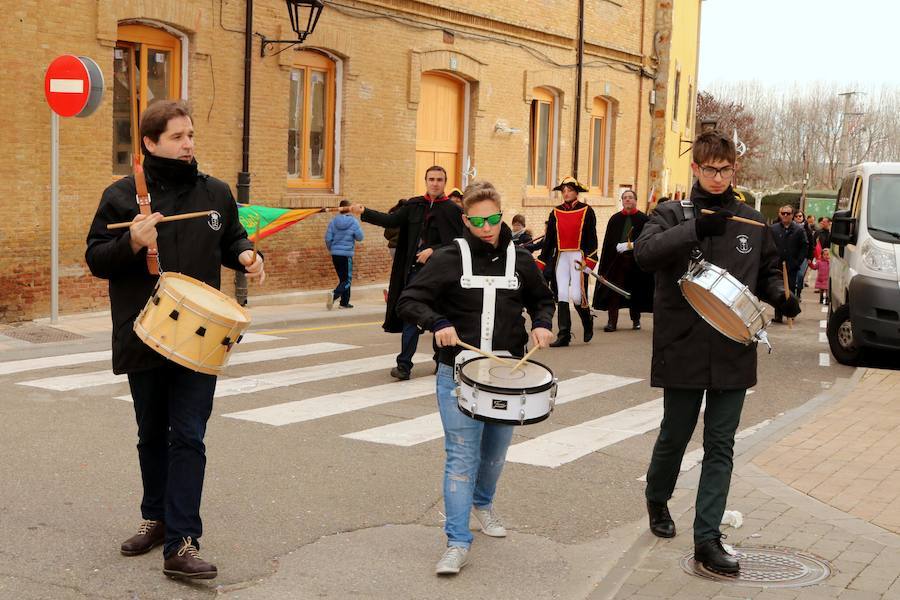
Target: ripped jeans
(476, 452)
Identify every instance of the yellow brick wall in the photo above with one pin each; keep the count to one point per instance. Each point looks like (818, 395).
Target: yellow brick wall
(501, 48)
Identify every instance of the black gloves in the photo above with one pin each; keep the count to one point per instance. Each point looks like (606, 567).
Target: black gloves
(790, 306)
(714, 224)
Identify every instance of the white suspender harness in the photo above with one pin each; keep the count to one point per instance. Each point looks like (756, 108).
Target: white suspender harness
(490, 284)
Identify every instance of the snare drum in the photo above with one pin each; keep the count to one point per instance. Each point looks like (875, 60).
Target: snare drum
(491, 392)
(191, 323)
(724, 302)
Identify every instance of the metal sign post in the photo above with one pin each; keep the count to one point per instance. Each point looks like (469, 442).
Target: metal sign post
(73, 86)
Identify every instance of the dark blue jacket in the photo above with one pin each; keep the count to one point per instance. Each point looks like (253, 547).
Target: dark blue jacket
(342, 234)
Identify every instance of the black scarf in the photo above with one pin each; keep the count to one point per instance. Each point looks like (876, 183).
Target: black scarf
(712, 199)
(479, 246)
(170, 172)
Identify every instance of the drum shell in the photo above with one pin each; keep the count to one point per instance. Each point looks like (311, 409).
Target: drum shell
(724, 302)
(177, 339)
(507, 406)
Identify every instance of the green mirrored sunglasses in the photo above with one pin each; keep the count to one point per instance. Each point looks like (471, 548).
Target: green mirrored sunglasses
(479, 221)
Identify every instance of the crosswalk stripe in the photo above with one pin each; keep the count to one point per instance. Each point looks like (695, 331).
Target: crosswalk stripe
(428, 427)
(277, 379)
(49, 362)
(80, 358)
(65, 383)
(335, 404)
(571, 443)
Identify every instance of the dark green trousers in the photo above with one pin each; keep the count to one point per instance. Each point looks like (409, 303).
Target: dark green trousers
(720, 422)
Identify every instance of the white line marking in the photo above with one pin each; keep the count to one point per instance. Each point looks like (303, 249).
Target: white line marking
(428, 427)
(823, 324)
(823, 337)
(695, 457)
(253, 338)
(66, 383)
(824, 359)
(49, 362)
(268, 381)
(571, 443)
(67, 86)
(335, 404)
(825, 309)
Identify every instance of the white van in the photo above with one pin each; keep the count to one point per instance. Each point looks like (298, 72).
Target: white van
(865, 252)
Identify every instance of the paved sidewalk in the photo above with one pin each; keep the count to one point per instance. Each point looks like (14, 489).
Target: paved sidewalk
(823, 479)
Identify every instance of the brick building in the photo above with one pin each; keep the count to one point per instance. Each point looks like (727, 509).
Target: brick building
(379, 91)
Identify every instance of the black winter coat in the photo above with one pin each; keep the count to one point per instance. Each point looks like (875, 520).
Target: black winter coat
(194, 247)
(621, 268)
(444, 223)
(436, 296)
(687, 352)
(791, 243)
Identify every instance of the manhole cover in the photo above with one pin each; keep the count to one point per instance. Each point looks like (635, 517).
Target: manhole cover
(39, 334)
(767, 567)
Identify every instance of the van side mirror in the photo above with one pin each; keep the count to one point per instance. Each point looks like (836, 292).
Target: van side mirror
(843, 228)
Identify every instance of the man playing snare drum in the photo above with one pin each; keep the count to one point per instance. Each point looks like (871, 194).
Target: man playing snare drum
(689, 356)
(171, 403)
(436, 300)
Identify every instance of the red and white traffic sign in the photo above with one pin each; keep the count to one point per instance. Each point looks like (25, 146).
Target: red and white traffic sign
(73, 86)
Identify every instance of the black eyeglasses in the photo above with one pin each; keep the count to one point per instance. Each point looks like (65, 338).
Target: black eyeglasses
(711, 172)
(478, 222)
(784, 214)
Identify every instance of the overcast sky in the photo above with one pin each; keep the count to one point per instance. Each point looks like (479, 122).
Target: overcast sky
(782, 42)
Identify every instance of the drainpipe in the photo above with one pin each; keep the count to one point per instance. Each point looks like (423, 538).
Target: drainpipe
(579, 78)
(243, 183)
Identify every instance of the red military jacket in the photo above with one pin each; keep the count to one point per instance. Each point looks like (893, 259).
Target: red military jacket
(571, 227)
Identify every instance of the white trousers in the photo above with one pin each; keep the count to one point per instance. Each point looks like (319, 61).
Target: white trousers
(568, 278)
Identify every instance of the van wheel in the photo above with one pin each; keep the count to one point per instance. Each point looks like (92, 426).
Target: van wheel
(840, 337)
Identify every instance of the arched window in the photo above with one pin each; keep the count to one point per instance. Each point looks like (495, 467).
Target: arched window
(599, 172)
(146, 67)
(310, 148)
(541, 136)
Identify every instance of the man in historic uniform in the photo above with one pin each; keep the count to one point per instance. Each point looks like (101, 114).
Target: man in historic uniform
(570, 244)
(618, 267)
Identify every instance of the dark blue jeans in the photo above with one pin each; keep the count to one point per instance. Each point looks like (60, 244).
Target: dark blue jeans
(409, 339)
(172, 405)
(343, 266)
(720, 422)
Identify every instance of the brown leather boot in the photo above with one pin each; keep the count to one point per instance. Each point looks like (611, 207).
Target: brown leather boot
(150, 534)
(186, 563)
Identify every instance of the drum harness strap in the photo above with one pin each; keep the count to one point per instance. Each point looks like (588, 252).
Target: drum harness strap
(490, 284)
(143, 199)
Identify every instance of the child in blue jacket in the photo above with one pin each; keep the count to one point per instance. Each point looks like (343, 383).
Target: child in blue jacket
(340, 238)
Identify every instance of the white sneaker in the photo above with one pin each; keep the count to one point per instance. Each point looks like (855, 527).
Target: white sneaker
(454, 559)
(329, 302)
(490, 521)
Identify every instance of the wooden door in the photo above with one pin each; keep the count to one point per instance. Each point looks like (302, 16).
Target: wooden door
(439, 127)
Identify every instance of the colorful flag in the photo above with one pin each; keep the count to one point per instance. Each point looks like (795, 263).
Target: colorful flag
(266, 220)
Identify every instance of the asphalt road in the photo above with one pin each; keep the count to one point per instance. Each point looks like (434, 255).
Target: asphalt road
(298, 510)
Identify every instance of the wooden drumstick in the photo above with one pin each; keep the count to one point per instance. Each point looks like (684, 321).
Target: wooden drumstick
(787, 290)
(192, 215)
(707, 211)
(255, 242)
(525, 358)
(502, 361)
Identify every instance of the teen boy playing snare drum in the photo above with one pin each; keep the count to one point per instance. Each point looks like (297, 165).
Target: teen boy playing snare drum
(689, 356)
(436, 300)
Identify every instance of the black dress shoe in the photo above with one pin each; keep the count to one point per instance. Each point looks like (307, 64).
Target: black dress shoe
(713, 556)
(609, 327)
(661, 523)
(560, 342)
(398, 373)
(636, 325)
(150, 534)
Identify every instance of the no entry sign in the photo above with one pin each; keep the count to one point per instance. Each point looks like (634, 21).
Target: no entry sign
(73, 86)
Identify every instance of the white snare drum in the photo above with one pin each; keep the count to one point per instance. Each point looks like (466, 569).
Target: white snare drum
(491, 392)
(724, 302)
(191, 323)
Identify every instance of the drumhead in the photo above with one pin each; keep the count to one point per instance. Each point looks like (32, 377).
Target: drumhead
(488, 375)
(712, 310)
(205, 296)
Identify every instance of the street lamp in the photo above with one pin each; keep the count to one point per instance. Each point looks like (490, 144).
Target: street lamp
(304, 16)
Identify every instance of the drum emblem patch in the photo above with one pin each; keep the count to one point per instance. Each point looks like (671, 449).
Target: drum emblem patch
(743, 244)
(498, 404)
(215, 221)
